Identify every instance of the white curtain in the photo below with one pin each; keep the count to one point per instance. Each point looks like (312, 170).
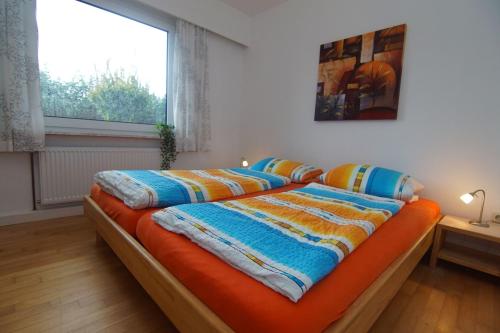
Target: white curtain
(190, 88)
(21, 118)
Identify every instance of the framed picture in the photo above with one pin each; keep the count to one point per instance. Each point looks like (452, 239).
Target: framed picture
(359, 77)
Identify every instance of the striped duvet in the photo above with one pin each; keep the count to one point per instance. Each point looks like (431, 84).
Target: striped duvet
(289, 241)
(149, 188)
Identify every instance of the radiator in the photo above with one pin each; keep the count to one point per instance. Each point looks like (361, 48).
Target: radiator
(65, 174)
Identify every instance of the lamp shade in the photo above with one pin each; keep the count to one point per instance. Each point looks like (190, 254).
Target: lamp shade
(467, 198)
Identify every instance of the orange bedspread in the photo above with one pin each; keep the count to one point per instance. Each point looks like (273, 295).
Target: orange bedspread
(248, 306)
(127, 217)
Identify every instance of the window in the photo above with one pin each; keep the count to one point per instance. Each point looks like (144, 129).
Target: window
(98, 69)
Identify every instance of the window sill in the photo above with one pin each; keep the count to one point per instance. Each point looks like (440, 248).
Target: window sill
(80, 127)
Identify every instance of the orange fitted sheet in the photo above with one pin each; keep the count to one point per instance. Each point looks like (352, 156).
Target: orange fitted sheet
(248, 306)
(127, 217)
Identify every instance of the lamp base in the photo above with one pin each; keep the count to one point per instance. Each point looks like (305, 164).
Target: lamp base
(480, 224)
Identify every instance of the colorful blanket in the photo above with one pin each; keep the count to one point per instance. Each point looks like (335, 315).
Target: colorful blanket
(289, 241)
(148, 188)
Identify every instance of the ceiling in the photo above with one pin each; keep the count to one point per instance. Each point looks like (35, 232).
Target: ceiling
(253, 7)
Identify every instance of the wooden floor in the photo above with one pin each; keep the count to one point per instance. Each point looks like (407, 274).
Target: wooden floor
(53, 278)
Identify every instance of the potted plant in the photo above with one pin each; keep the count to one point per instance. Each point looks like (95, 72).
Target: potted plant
(167, 146)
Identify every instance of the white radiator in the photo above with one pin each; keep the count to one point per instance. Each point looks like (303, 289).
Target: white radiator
(66, 174)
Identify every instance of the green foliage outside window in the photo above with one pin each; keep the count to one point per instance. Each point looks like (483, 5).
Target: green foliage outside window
(109, 96)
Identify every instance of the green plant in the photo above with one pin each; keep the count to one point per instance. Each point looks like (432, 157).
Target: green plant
(168, 148)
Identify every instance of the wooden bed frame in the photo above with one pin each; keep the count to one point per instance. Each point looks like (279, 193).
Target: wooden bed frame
(189, 314)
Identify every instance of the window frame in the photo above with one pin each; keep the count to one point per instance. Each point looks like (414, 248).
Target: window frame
(142, 14)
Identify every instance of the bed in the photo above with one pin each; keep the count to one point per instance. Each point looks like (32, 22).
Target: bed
(228, 300)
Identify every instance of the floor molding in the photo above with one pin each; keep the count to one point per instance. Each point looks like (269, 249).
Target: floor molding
(39, 215)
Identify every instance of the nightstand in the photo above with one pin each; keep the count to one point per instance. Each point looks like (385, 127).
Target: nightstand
(461, 255)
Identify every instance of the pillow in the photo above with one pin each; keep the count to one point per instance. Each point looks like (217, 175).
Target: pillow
(372, 180)
(298, 172)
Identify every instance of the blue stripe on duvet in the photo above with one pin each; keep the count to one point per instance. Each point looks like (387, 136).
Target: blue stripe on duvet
(314, 261)
(274, 180)
(169, 191)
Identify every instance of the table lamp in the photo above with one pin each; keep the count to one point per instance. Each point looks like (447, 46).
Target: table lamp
(467, 198)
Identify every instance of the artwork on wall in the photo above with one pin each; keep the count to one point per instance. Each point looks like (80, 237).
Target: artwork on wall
(359, 77)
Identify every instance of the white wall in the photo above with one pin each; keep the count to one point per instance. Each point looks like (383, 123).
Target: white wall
(16, 195)
(226, 65)
(447, 133)
(213, 15)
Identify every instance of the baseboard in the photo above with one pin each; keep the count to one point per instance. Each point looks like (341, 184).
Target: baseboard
(39, 215)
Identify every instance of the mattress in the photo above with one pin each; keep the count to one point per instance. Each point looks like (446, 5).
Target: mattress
(246, 305)
(127, 217)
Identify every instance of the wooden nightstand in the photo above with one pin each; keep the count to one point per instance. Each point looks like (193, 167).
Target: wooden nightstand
(461, 255)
